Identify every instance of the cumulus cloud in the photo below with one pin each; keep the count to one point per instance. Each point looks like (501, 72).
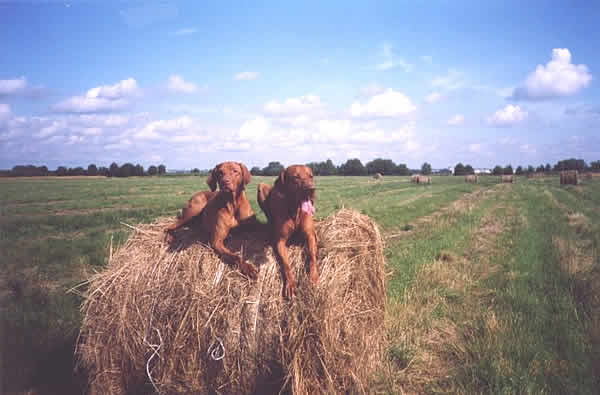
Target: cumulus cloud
(176, 84)
(5, 112)
(55, 126)
(558, 78)
(371, 90)
(294, 105)
(102, 98)
(254, 129)
(13, 87)
(433, 97)
(158, 129)
(388, 104)
(246, 76)
(458, 119)
(507, 116)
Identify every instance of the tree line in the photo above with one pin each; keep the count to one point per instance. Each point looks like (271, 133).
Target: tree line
(114, 170)
(352, 167)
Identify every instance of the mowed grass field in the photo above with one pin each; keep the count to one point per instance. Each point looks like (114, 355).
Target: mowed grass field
(493, 288)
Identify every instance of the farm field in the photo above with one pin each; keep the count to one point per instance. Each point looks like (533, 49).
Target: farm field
(493, 288)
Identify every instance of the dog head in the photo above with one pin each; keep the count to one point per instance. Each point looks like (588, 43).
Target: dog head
(229, 176)
(297, 180)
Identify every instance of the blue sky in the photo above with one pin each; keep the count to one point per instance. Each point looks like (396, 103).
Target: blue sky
(192, 84)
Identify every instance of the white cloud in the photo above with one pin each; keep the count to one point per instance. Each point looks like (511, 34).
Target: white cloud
(121, 145)
(453, 80)
(102, 98)
(391, 61)
(387, 104)
(11, 87)
(254, 129)
(558, 78)
(332, 130)
(155, 129)
(185, 31)
(507, 116)
(458, 119)
(475, 147)
(433, 97)
(92, 131)
(527, 149)
(294, 105)
(4, 112)
(55, 126)
(246, 76)
(176, 84)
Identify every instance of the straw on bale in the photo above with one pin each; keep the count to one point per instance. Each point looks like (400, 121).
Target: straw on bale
(508, 178)
(414, 178)
(180, 321)
(378, 176)
(471, 179)
(569, 177)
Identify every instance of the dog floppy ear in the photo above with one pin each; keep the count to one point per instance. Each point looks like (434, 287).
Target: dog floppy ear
(246, 177)
(212, 180)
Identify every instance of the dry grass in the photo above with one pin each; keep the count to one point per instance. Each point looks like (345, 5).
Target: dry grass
(471, 179)
(508, 178)
(182, 321)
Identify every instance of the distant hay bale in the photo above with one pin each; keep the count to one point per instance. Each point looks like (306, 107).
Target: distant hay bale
(414, 178)
(423, 180)
(508, 178)
(471, 179)
(569, 177)
(181, 321)
(588, 175)
(378, 176)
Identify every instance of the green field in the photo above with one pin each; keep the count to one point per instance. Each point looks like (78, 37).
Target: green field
(493, 288)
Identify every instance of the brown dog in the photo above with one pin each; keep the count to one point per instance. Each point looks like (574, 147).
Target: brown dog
(221, 211)
(289, 207)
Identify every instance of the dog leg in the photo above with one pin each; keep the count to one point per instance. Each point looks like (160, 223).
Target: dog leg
(308, 228)
(233, 259)
(289, 288)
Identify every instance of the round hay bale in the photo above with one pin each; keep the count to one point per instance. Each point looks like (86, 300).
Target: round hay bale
(508, 178)
(569, 177)
(378, 176)
(178, 320)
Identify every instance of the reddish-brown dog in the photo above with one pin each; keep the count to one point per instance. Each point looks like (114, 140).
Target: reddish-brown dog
(221, 211)
(289, 207)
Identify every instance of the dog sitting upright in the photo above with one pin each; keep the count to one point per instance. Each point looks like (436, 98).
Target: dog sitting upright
(289, 207)
(221, 211)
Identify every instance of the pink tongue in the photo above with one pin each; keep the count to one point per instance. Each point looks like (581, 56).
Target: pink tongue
(307, 207)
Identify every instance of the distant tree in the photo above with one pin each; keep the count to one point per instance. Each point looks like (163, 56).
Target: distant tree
(540, 169)
(196, 171)
(595, 166)
(77, 171)
(508, 170)
(548, 168)
(92, 170)
(498, 170)
(139, 170)
(272, 169)
(519, 170)
(402, 170)
(104, 171)
(353, 167)
(459, 169)
(127, 170)
(328, 168)
(255, 171)
(426, 169)
(114, 170)
(469, 169)
(530, 169)
(61, 171)
(152, 170)
(162, 169)
(382, 166)
(570, 164)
